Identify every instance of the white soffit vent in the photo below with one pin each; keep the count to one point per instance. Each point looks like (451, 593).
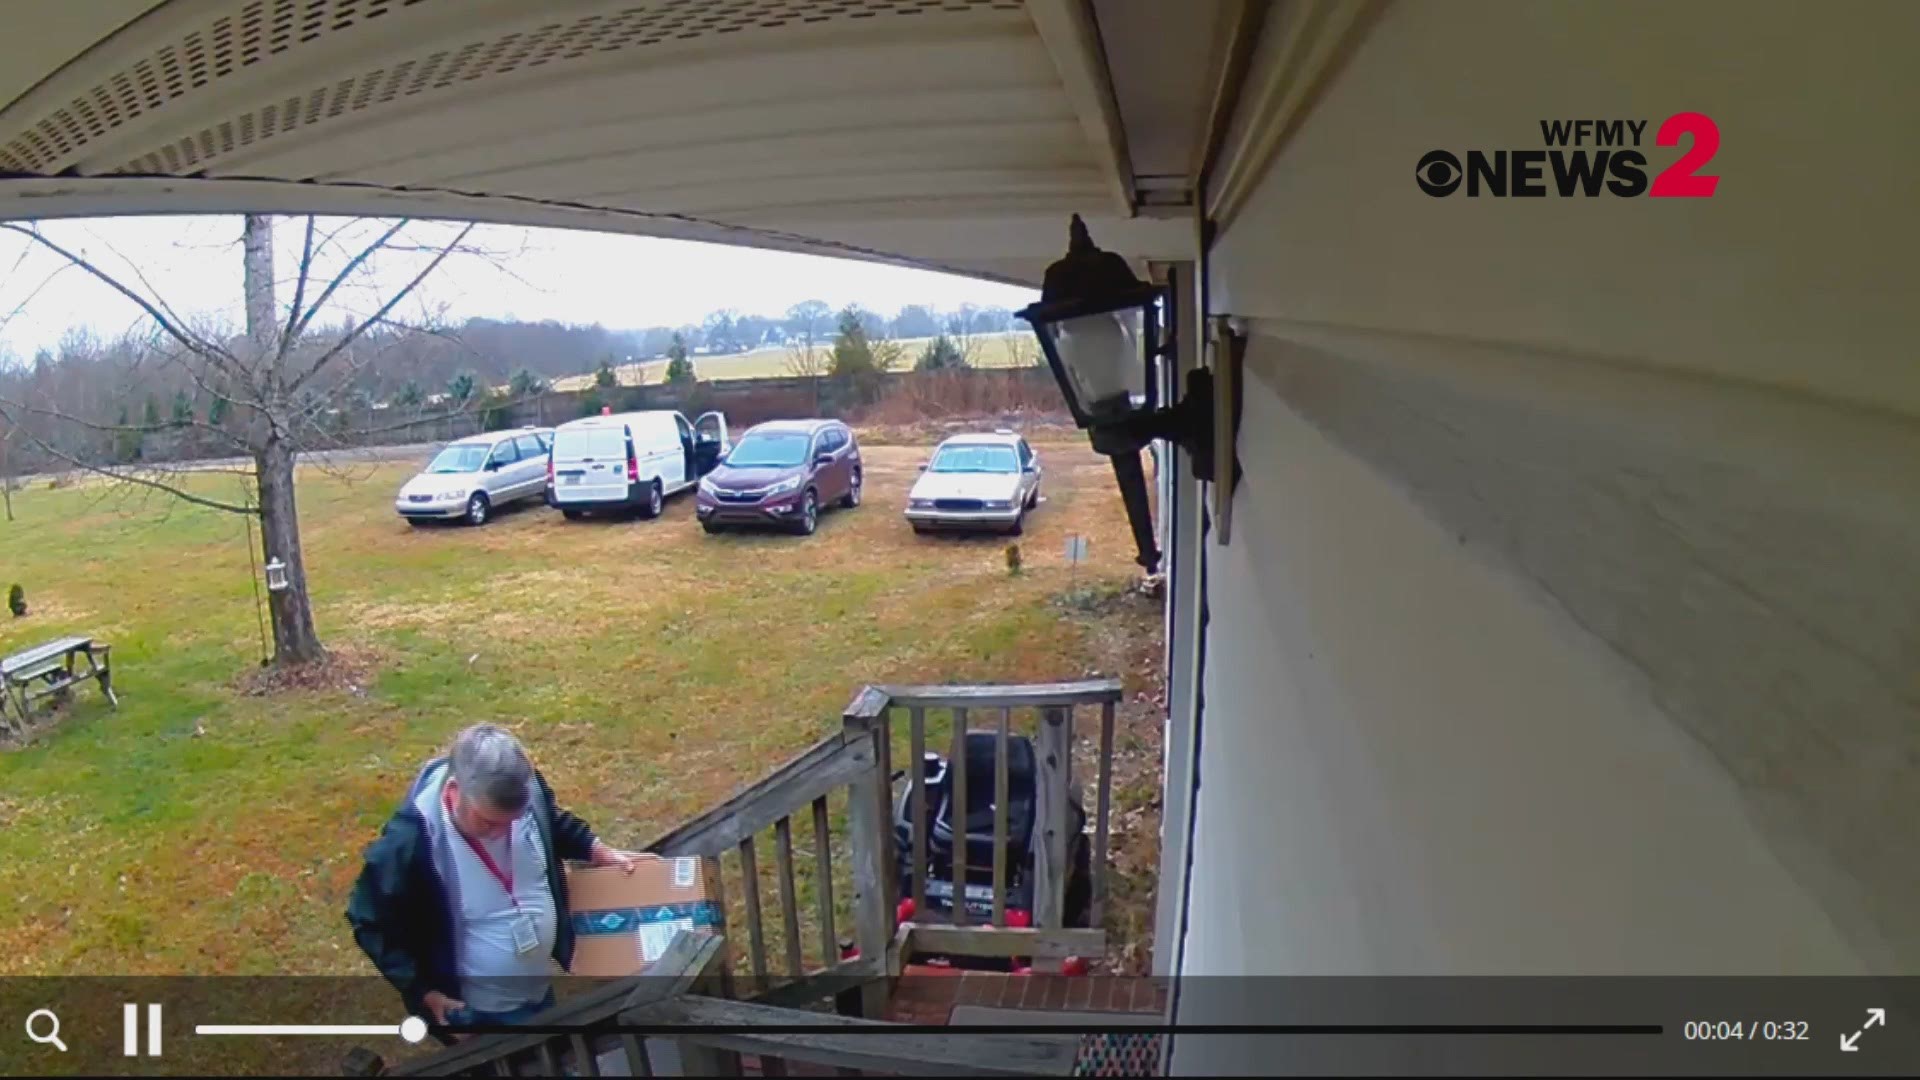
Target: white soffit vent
(259, 31)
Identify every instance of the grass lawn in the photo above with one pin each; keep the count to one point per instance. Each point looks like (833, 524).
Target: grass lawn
(991, 351)
(650, 668)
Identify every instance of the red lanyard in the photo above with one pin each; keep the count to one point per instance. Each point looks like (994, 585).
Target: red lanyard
(505, 878)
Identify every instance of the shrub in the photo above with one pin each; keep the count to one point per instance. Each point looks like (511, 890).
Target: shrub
(940, 354)
(1014, 562)
(17, 600)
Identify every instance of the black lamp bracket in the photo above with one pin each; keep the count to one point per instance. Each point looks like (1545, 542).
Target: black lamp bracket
(1187, 424)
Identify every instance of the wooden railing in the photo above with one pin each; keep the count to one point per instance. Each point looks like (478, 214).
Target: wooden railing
(1053, 708)
(835, 780)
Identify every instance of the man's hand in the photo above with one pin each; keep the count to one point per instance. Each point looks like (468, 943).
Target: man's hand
(440, 1005)
(606, 856)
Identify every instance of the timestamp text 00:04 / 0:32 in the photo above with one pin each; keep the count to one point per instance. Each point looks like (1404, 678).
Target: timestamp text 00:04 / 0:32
(1748, 1030)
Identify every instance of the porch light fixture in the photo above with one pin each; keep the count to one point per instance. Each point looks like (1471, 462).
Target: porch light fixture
(1099, 326)
(276, 574)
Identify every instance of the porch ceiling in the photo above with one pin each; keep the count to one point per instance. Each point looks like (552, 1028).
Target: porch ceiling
(950, 134)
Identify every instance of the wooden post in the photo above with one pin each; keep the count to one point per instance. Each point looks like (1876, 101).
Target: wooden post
(718, 878)
(883, 754)
(871, 919)
(1000, 795)
(918, 718)
(789, 898)
(1100, 823)
(756, 937)
(1050, 856)
(957, 825)
(823, 882)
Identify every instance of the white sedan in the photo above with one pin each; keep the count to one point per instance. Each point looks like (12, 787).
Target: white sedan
(986, 482)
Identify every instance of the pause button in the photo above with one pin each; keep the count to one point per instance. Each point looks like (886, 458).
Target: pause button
(130, 1030)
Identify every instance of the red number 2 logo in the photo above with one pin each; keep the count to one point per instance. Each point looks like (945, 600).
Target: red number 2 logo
(1678, 181)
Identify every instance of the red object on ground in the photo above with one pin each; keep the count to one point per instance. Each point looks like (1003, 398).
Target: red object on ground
(904, 911)
(1073, 965)
(1019, 918)
(1023, 970)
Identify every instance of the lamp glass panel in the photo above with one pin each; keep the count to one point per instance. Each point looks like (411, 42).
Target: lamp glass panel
(1105, 357)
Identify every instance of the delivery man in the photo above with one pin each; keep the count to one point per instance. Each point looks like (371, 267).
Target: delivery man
(462, 903)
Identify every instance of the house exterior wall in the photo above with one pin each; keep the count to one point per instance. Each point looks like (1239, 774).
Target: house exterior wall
(1569, 620)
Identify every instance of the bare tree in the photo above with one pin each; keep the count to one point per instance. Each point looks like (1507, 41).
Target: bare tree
(286, 387)
(807, 324)
(960, 330)
(1023, 350)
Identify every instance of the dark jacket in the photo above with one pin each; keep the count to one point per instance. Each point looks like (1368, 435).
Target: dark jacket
(400, 908)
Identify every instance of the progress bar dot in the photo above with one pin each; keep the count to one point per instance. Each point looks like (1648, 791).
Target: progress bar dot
(413, 1029)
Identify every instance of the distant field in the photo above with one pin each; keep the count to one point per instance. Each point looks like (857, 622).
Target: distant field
(991, 351)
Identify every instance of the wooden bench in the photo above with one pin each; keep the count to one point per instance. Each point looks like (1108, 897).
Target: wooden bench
(52, 668)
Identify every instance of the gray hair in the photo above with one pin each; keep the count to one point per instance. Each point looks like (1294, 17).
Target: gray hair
(492, 767)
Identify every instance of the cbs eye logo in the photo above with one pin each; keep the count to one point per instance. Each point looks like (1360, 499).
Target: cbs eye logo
(1438, 173)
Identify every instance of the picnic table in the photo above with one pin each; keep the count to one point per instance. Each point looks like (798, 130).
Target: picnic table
(52, 668)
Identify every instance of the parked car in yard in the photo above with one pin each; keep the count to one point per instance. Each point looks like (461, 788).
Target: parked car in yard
(634, 460)
(781, 473)
(979, 482)
(470, 478)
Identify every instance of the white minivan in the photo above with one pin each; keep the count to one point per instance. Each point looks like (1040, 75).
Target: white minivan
(633, 460)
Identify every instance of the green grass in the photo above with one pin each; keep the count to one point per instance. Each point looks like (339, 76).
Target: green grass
(650, 668)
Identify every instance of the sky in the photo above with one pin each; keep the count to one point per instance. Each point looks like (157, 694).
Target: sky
(622, 282)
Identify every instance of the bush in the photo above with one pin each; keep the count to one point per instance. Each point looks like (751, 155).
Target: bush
(941, 354)
(17, 600)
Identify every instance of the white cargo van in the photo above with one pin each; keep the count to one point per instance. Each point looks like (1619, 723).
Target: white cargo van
(631, 461)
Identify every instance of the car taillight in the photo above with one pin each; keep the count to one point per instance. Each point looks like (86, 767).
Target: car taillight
(549, 470)
(633, 467)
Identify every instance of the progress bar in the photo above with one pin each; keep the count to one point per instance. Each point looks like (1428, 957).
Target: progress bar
(412, 1029)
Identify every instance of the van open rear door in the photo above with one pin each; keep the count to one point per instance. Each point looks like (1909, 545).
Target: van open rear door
(710, 441)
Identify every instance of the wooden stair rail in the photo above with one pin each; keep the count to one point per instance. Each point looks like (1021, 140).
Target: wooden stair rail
(1053, 706)
(765, 812)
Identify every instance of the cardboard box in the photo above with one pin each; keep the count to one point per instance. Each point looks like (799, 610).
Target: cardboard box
(622, 922)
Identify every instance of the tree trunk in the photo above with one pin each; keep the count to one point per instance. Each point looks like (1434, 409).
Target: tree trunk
(294, 639)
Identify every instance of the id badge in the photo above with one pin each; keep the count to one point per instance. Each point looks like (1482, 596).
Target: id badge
(525, 940)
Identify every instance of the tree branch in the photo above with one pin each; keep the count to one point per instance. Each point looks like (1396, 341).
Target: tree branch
(299, 293)
(205, 348)
(7, 404)
(380, 316)
(140, 481)
(353, 264)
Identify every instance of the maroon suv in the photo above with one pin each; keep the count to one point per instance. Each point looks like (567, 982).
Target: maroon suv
(781, 473)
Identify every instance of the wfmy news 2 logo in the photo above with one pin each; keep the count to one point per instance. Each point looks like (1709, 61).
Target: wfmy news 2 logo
(1582, 159)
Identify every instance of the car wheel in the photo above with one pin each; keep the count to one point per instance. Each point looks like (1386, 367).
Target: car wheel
(1033, 497)
(418, 523)
(921, 530)
(809, 514)
(852, 498)
(573, 515)
(1019, 525)
(655, 500)
(477, 509)
(713, 528)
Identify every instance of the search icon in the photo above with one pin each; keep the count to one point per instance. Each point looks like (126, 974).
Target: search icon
(53, 1028)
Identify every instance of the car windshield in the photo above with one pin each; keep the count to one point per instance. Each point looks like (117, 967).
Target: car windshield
(460, 457)
(771, 450)
(976, 458)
